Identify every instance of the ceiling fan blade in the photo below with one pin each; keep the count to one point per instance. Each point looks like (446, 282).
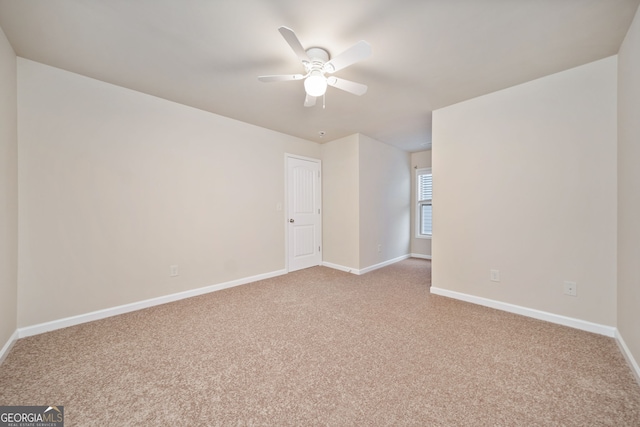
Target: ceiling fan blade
(295, 44)
(309, 101)
(347, 85)
(355, 53)
(281, 78)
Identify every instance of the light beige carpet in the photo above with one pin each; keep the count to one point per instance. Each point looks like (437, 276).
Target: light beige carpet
(323, 347)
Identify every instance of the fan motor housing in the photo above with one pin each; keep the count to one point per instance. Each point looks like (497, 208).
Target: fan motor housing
(317, 54)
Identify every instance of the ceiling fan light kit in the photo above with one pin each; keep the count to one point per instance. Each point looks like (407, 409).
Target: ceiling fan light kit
(315, 84)
(317, 63)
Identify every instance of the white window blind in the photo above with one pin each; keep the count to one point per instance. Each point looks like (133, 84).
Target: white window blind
(424, 186)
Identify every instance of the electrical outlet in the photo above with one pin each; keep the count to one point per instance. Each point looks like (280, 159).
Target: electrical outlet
(379, 248)
(494, 275)
(173, 270)
(570, 288)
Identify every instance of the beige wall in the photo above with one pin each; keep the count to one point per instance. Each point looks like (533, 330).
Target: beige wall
(365, 188)
(8, 191)
(525, 182)
(340, 175)
(629, 189)
(385, 185)
(419, 246)
(115, 186)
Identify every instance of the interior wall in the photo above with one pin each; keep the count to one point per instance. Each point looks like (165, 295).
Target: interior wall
(385, 184)
(629, 189)
(419, 246)
(525, 183)
(8, 191)
(115, 186)
(340, 218)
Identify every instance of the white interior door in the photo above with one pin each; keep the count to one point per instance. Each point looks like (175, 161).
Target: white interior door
(304, 217)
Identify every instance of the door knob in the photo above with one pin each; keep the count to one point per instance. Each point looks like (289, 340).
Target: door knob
(291, 220)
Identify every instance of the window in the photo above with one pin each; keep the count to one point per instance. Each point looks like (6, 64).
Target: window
(424, 186)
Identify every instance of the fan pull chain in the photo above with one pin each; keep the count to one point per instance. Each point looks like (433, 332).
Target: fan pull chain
(324, 96)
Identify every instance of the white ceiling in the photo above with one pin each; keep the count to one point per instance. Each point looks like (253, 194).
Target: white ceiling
(426, 53)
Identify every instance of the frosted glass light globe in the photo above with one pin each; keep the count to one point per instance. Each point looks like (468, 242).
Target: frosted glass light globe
(315, 84)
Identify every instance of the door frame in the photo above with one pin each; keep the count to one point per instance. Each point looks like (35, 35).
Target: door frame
(285, 216)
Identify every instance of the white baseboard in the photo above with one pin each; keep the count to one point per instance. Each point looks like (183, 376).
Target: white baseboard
(341, 267)
(5, 350)
(627, 355)
(596, 328)
(121, 309)
(421, 256)
(366, 269)
(384, 264)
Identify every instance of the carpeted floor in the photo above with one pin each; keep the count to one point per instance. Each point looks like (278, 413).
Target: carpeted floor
(323, 347)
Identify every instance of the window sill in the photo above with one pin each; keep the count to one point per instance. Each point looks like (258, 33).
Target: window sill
(423, 236)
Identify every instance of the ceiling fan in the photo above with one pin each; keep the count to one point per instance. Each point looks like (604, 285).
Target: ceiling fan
(317, 64)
